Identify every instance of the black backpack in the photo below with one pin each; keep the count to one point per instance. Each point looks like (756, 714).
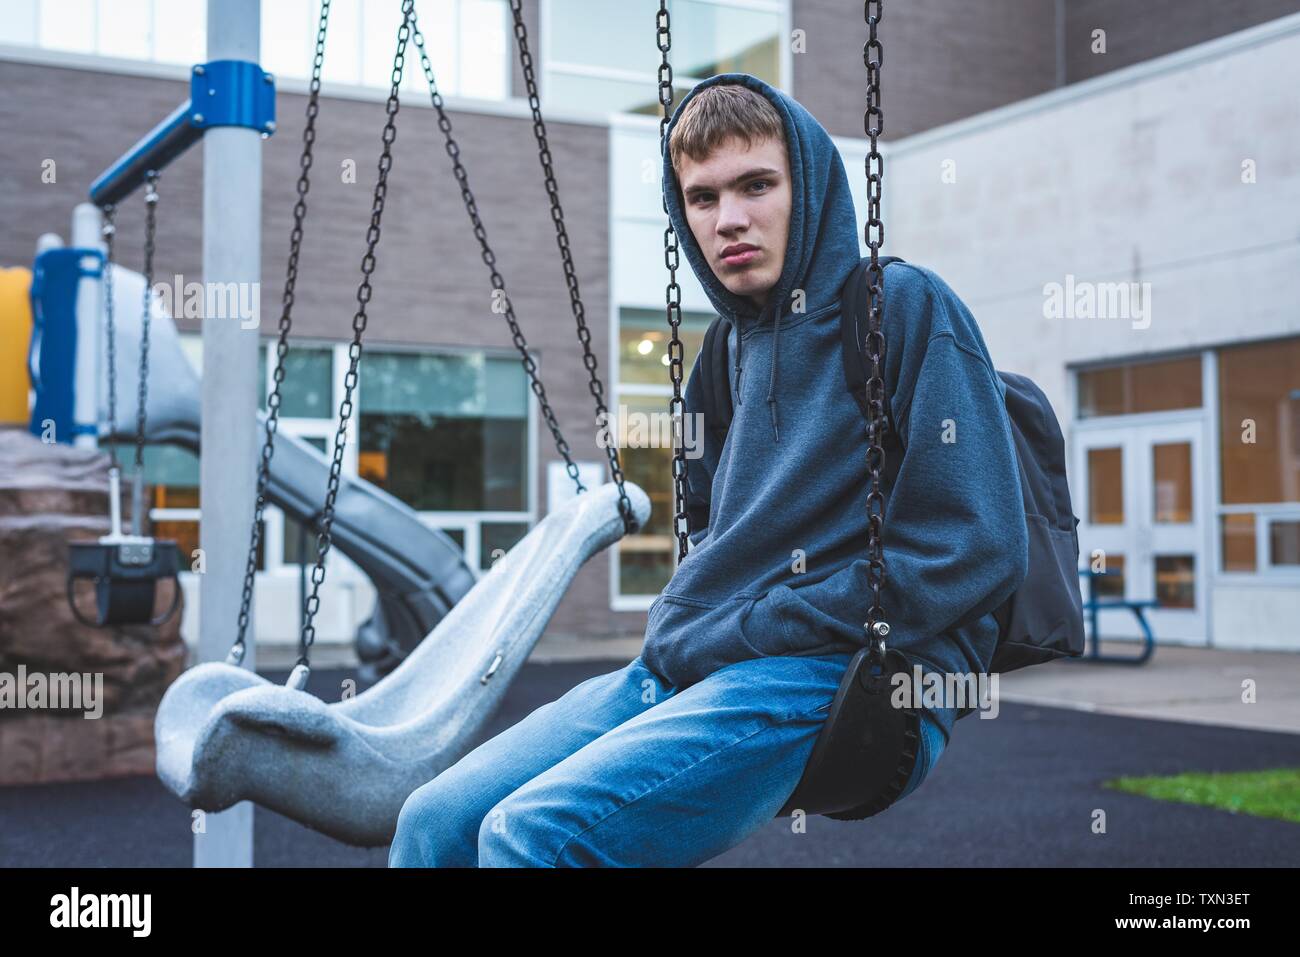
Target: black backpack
(1042, 619)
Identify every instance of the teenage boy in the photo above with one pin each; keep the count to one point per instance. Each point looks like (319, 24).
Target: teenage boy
(702, 738)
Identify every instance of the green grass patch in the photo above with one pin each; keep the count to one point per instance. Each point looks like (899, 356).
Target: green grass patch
(1271, 793)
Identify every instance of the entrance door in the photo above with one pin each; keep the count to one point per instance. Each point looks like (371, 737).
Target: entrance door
(1142, 502)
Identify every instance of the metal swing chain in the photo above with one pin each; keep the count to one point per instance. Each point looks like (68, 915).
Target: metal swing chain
(282, 343)
(489, 258)
(876, 627)
(673, 295)
(109, 231)
(142, 392)
(570, 276)
(359, 320)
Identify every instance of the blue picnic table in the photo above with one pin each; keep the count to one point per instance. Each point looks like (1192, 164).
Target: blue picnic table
(1093, 605)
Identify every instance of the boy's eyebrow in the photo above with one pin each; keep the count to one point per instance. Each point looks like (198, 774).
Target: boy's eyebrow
(750, 174)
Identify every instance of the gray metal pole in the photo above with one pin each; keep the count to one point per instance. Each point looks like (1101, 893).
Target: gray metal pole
(87, 224)
(232, 249)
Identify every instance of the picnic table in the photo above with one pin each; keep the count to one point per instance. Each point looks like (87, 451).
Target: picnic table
(1093, 605)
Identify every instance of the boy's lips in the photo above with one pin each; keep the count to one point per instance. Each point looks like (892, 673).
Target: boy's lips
(739, 255)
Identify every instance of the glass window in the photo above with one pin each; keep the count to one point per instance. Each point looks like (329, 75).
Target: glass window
(68, 25)
(185, 533)
(362, 37)
(1238, 537)
(1259, 412)
(1176, 581)
(445, 432)
(483, 29)
(1106, 486)
(643, 337)
(19, 25)
(343, 47)
(606, 94)
(1172, 482)
(647, 559)
(125, 29)
(299, 543)
(288, 37)
(1141, 387)
(1284, 542)
(180, 31)
(711, 38)
(1109, 581)
(379, 24)
(605, 58)
(172, 473)
(595, 33)
(308, 388)
(498, 535)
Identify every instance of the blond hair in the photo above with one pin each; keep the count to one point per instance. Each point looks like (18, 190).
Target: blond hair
(719, 113)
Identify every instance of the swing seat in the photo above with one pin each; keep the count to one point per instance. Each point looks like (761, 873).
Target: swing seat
(225, 734)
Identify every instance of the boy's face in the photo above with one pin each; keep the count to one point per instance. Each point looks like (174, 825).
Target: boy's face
(738, 207)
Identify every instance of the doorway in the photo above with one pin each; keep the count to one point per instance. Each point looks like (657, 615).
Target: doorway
(1143, 504)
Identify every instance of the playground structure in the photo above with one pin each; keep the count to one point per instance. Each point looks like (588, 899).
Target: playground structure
(225, 735)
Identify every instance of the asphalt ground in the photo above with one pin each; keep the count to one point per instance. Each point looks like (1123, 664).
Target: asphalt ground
(1021, 790)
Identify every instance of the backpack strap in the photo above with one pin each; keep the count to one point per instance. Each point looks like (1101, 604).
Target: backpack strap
(715, 382)
(853, 325)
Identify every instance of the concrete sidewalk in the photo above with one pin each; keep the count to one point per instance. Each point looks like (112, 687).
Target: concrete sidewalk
(1200, 685)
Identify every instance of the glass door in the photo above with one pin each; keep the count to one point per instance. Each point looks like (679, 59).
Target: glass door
(1141, 511)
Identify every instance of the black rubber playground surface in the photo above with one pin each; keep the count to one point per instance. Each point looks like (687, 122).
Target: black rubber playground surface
(1018, 791)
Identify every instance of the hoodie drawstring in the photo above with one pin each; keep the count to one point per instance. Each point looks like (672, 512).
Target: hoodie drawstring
(739, 340)
(771, 385)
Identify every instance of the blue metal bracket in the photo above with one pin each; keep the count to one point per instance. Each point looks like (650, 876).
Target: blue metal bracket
(232, 93)
(222, 93)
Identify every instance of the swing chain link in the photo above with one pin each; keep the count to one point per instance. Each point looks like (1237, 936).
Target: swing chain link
(109, 231)
(282, 344)
(876, 627)
(673, 297)
(570, 274)
(359, 320)
(150, 234)
(489, 258)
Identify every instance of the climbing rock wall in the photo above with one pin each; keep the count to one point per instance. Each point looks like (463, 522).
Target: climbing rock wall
(51, 495)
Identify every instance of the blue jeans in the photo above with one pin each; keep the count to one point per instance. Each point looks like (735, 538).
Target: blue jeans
(624, 770)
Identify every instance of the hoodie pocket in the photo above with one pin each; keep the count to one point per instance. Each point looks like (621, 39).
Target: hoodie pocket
(688, 638)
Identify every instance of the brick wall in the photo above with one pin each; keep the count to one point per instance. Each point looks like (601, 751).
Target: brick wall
(1141, 31)
(431, 286)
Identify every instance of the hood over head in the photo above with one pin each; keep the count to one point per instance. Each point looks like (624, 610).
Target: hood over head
(823, 245)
